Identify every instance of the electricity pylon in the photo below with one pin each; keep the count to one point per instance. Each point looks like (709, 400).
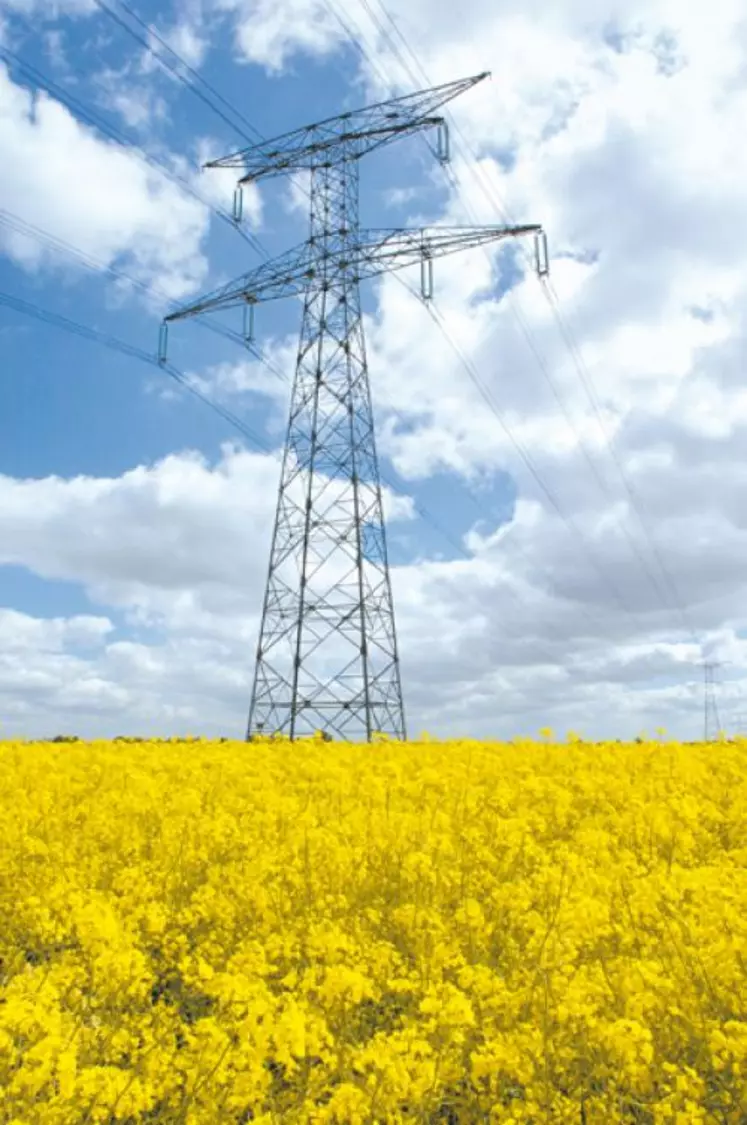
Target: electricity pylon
(711, 721)
(327, 656)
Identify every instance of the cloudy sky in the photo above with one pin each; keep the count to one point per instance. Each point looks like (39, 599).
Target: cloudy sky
(564, 461)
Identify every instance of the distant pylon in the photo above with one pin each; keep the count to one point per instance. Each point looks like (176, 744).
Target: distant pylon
(327, 657)
(711, 721)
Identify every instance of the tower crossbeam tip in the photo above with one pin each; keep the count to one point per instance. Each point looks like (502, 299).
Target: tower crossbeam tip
(367, 129)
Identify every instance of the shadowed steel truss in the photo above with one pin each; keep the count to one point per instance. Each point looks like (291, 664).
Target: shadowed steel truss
(327, 655)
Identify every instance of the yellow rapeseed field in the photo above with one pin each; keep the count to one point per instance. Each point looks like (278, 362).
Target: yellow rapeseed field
(214, 932)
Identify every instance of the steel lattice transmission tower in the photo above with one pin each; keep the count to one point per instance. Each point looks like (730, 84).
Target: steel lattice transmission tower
(711, 720)
(327, 656)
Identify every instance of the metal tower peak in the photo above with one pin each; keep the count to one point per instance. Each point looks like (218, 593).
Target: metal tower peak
(360, 130)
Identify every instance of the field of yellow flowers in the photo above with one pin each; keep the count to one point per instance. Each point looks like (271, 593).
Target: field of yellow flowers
(212, 932)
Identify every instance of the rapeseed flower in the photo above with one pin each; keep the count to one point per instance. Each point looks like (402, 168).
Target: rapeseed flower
(203, 932)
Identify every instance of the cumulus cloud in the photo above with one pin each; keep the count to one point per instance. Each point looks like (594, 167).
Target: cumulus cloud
(614, 129)
(218, 185)
(178, 539)
(139, 105)
(94, 194)
(185, 39)
(21, 633)
(71, 677)
(619, 131)
(252, 380)
(269, 34)
(153, 530)
(180, 548)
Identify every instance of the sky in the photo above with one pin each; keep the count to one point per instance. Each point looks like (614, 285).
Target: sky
(563, 460)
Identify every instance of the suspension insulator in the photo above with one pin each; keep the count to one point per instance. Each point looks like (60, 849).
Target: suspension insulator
(163, 338)
(248, 332)
(238, 204)
(426, 277)
(541, 259)
(443, 147)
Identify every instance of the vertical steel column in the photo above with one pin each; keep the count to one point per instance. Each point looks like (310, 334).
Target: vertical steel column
(327, 656)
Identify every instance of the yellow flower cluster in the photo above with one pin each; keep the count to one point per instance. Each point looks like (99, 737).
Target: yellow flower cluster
(205, 933)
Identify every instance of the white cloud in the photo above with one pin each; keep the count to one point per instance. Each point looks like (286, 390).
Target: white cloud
(180, 538)
(21, 633)
(268, 33)
(218, 185)
(227, 380)
(138, 104)
(150, 533)
(68, 677)
(181, 548)
(620, 130)
(96, 195)
(54, 46)
(296, 197)
(185, 40)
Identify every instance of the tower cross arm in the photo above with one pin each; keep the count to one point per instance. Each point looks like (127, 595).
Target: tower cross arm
(364, 129)
(393, 249)
(284, 276)
(373, 252)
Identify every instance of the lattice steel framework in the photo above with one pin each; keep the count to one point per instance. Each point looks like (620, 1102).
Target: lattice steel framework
(327, 656)
(711, 720)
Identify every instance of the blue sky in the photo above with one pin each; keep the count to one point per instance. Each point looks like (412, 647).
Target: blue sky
(603, 129)
(72, 386)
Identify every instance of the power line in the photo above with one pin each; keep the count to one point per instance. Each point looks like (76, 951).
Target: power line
(568, 521)
(582, 371)
(195, 75)
(259, 135)
(104, 126)
(111, 341)
(114, 344)
(301, 674)
(174, 70)
(250, 127)
(14, 222)
(28, 230)
(77, 107)
(575, 355)
(539, 569)
(636, 502)
(473, 375)
(254, 131)
(149, 48)
(245, 129)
